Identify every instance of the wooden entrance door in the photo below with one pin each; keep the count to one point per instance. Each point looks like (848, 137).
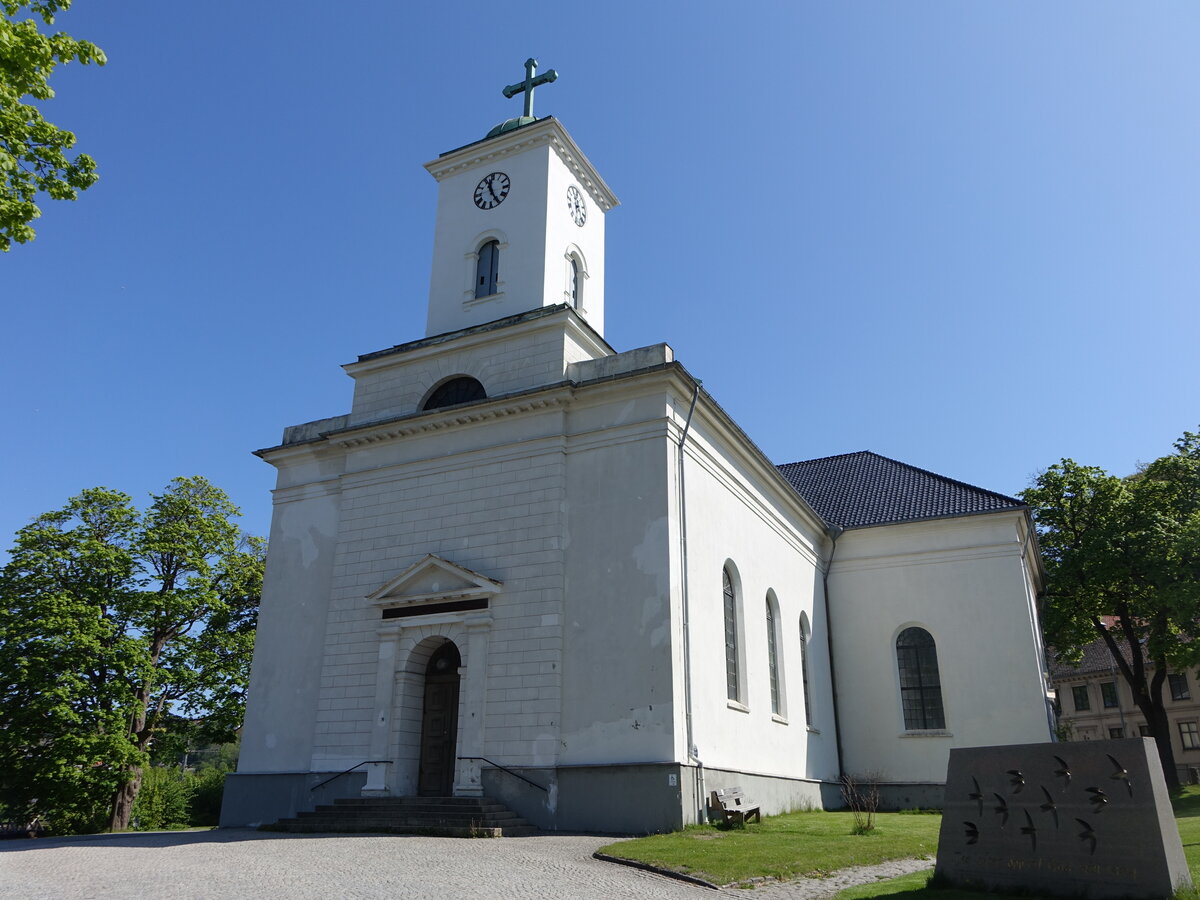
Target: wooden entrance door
(439, 723)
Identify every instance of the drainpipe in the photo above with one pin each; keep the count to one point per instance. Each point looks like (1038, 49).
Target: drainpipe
(834, 532)
(692, 751)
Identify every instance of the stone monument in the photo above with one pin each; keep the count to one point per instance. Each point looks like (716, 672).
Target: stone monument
(1086, 819)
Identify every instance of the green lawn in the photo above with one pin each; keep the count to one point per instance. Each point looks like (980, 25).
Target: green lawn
(803, 843)
(817, 843)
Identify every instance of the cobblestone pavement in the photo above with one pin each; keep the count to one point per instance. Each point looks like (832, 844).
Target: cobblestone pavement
(236, 863)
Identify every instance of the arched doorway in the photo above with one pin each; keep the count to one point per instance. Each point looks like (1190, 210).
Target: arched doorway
(439, 723)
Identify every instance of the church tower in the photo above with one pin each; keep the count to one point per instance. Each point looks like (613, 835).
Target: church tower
(520, 223)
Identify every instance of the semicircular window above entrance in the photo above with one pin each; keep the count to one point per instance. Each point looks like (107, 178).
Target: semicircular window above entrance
(455, 391)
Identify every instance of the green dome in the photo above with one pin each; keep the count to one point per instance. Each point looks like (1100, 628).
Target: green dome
(511, 125)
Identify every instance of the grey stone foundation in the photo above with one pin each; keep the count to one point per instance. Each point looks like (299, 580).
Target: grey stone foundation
(252, 799)
(644, 798)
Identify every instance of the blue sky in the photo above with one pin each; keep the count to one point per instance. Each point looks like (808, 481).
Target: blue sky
(963, 235)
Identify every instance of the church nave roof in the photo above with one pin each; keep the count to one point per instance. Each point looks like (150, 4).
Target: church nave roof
(857, 490)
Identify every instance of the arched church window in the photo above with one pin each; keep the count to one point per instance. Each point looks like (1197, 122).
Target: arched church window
(805, 631)
(920, 683)
(574, 283)
(457, 390)
(773, 656)
(732, 674)
(487, 269)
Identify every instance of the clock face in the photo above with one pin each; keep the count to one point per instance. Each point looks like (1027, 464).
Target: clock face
(575, 205)
(491, 190)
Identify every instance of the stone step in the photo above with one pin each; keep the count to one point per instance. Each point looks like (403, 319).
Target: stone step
(319, 827)
(450, 816)
(496, 820)
(404, 801)
(402, 811)
(477, 808)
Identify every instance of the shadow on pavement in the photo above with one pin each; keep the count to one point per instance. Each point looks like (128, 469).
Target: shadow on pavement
(157, 839)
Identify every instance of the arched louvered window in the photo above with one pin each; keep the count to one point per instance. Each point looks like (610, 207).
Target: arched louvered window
(487, 270)
(732, 675)
(456, 390)
(574, 283)
(920, 683)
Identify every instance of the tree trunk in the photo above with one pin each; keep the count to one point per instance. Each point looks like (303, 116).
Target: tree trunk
(1160, 729)
(123, 800)
(1147, 692)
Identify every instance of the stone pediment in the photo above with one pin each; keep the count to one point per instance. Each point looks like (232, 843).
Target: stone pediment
(431, 580)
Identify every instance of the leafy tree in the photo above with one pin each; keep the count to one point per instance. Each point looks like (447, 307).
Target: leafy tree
(1126, 551)
(165, 799)
(111, 623)
(33, 155)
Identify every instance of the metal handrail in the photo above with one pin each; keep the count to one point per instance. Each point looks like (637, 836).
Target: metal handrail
(497, 765)
(365, 762)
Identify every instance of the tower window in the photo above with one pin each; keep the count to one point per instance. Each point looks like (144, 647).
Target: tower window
(575, 283)
(457, 390)
(487, 269)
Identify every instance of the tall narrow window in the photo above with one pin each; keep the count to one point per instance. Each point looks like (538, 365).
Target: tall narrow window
(1108, 694)
(804, 632)
(487, 269)
(731, 637)
(1079, 695)
(920, 684)
(773, 660)
(1179, 686)
(575, 283)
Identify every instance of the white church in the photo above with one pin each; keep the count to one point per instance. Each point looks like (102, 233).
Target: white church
(530, 567)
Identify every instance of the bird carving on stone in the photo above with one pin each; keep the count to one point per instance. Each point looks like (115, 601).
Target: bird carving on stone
(1063, 771)
(1001, 810)
(1030, 829)
(1050, 807)
(1088, 835)
(977, 794)
(1120, 773)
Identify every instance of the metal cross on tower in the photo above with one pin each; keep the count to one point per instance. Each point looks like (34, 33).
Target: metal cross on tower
(529, 84)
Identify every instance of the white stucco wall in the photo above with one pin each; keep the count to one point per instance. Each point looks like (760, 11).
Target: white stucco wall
(489, 492)
(496, 512)
(964, 581)
(617, 656)
(738, 513)
(285, 675)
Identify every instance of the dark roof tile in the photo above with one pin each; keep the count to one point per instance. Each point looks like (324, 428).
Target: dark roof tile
(1096, 658)
(857, 490)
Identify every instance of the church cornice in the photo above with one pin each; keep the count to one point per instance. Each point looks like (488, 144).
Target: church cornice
(546, 132)
(541, 319)
(425, 423)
